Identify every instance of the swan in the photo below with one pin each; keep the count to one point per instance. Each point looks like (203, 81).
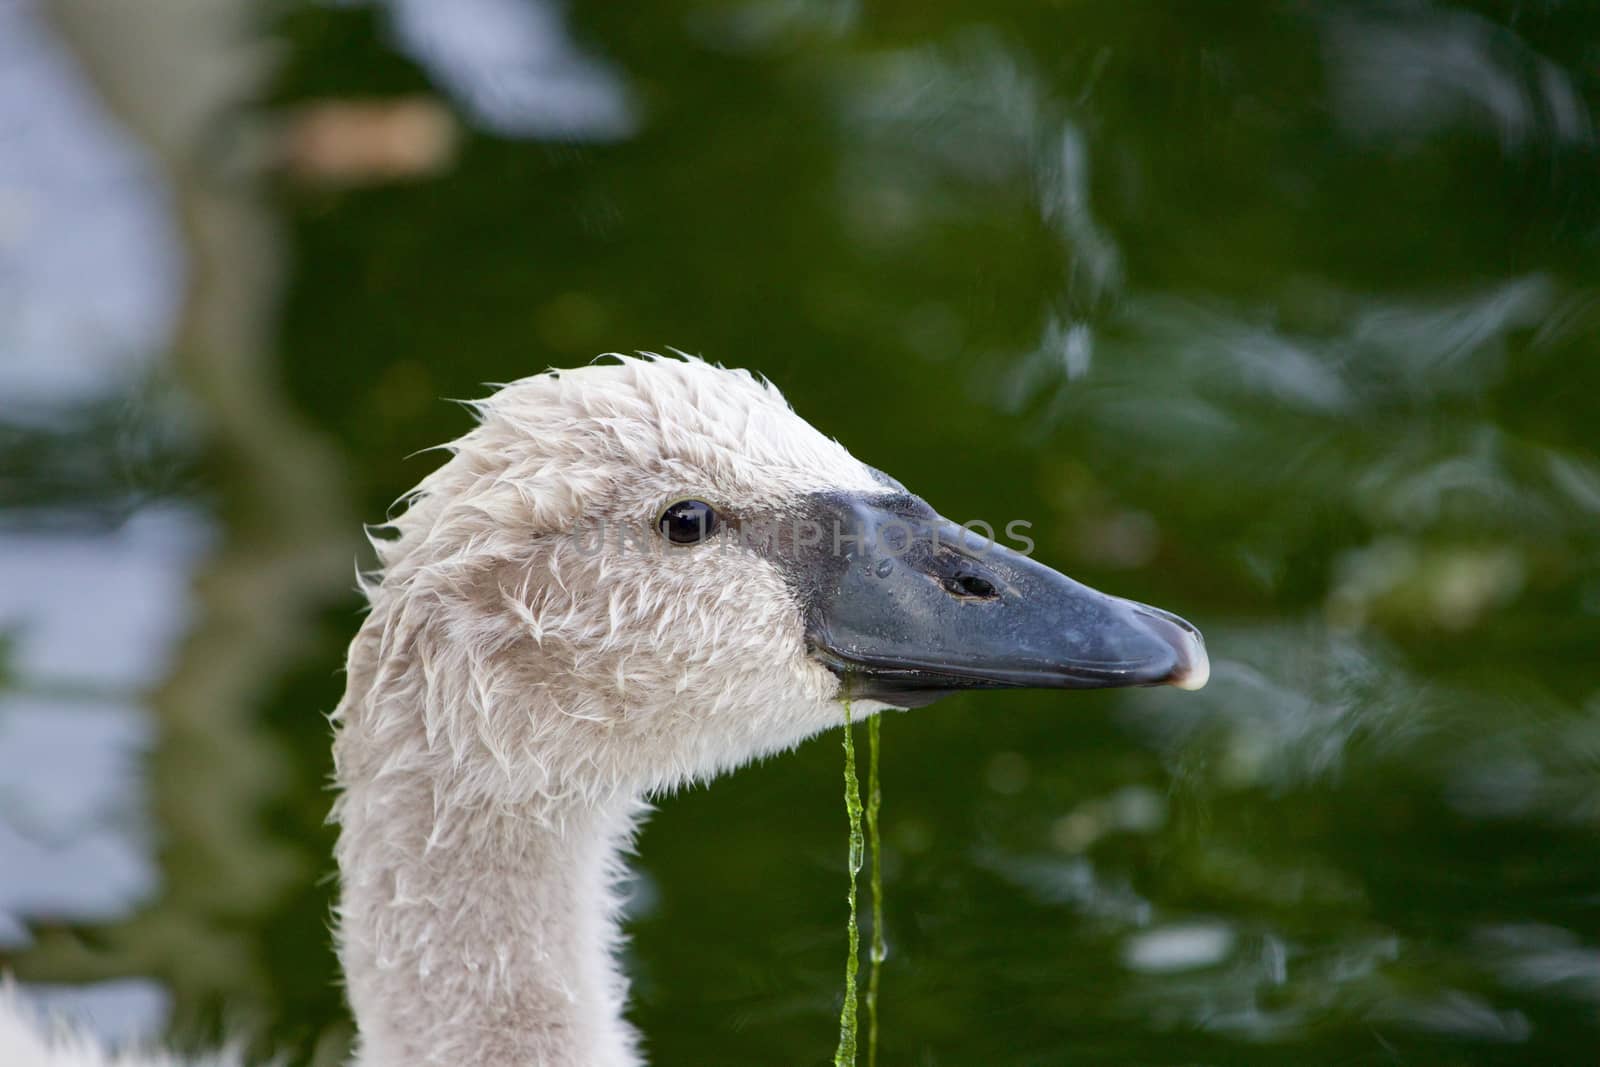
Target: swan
(624, 578)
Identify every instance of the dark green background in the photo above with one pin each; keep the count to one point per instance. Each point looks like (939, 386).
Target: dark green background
(1334, 269)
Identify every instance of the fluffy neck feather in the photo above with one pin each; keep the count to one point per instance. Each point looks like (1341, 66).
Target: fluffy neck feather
(474, 931)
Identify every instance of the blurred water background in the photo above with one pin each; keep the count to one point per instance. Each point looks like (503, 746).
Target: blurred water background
(1282, 315)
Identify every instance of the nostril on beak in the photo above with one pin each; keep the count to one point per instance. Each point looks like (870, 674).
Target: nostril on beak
(970, 585)
(1193, 667)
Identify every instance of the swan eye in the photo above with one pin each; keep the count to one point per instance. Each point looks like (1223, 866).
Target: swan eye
(688, 522)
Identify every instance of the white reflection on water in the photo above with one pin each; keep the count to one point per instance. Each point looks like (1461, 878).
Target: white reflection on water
(121, 1012)
(1284, 706)
(73, 834)
(1530, 757)
(758, 24)
(1544, 959)
(1449, 345)
(1448, 587)
(1133, 809)
(1426, 479)
(1179, 947)
(1417, 69)
(1064, 202)
(1455, 1013)
(90, 271)
(98, 611)
(1290, 708)
(934, 132)
(1230, 354)
(513, 64)
(969, 112)
(1074, 883)
(963, 116)
(1376, 349)
(1244, 977)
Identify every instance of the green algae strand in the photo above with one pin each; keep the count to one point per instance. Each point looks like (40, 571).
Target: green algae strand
(879, 950)
(845, 1055)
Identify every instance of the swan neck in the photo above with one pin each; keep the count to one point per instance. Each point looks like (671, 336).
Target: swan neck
(482, 933)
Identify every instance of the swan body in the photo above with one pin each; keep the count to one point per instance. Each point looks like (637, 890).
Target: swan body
(539, 660)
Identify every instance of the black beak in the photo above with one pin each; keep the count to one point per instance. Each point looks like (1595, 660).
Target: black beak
(909, 607)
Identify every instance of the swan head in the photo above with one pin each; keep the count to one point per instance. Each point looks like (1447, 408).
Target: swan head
(645, 572)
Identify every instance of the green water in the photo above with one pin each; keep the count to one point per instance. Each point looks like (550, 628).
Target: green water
(1282, 316)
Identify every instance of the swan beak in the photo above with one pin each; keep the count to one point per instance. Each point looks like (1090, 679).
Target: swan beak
(919, 608)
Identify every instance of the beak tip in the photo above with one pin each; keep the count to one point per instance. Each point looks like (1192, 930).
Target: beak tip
(1195, 673)
(1194, 666)
(1184, 643)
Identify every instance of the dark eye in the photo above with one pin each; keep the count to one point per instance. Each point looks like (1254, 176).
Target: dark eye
(687, 522)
